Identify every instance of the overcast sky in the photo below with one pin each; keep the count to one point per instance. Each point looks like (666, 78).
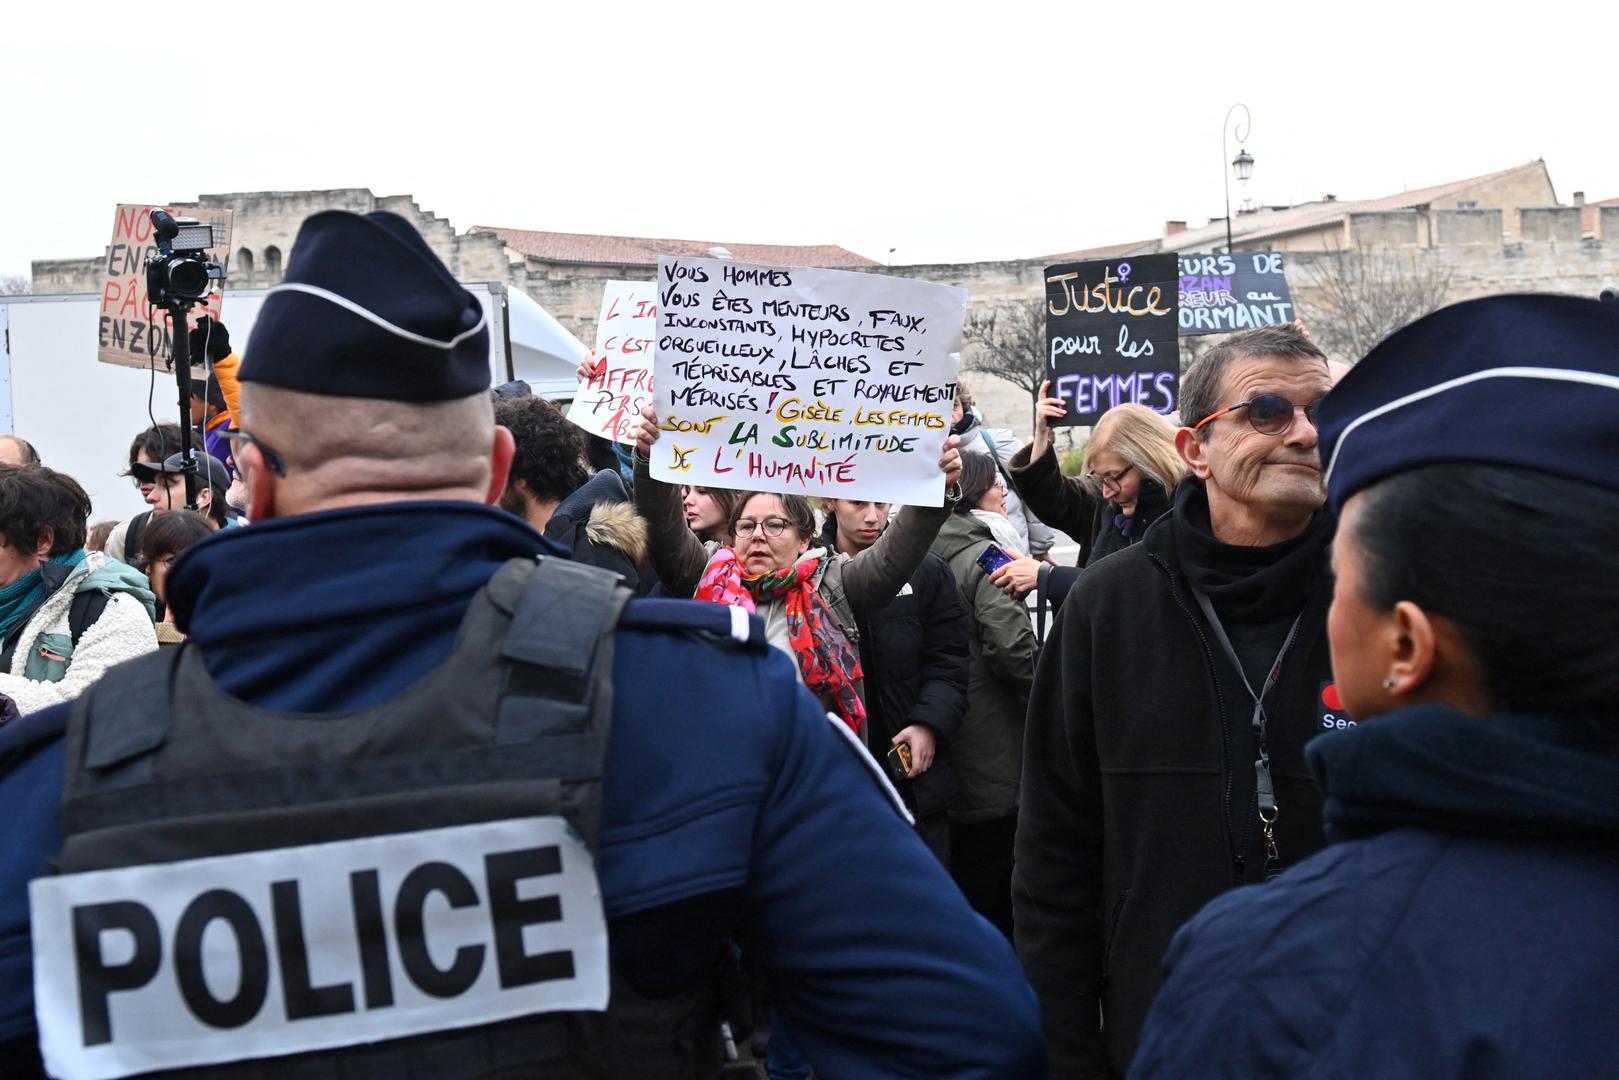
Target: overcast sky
(950, 132)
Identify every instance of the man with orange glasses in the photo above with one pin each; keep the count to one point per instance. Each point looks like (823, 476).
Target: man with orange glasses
(1163, 756)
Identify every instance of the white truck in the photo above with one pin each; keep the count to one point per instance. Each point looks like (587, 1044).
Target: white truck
(81, 414)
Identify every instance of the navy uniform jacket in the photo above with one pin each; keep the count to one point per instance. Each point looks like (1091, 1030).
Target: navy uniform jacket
(1463, 926)
(732, 807)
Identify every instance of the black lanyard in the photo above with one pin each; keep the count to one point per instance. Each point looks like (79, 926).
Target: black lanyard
(1264, 789)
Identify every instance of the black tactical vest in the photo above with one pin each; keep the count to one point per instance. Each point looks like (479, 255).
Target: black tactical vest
(164, 766)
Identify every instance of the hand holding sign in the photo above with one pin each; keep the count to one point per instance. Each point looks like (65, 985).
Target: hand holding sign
(615, 380)
(1046, 410)
(810, 382)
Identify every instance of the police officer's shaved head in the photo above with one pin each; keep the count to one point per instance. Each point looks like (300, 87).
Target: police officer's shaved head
(367, 377)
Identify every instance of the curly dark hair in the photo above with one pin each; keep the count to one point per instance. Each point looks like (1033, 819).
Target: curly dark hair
(550, 450)
(158, 442)
(33, 499)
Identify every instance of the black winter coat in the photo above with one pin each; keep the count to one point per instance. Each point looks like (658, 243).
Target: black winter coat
(1138, 802)
(913, 650)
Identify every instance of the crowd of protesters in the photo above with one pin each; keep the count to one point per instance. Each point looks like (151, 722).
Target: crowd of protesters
(1372, 620)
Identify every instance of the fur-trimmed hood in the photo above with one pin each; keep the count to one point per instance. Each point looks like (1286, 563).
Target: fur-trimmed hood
(617, 525)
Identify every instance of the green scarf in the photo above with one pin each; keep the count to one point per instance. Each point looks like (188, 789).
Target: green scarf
(18, 598)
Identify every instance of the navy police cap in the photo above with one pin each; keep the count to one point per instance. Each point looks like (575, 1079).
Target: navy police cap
(1529, 380)
(367, 310)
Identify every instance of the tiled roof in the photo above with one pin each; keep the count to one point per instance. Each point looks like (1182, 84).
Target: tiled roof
(1316, 215)
(641, 251)
(1107, 251)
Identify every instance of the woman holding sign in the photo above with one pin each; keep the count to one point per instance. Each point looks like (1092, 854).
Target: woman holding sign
(1133, 470)
(809, 597)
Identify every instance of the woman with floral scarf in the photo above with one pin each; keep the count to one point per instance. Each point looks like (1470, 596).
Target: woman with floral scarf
(810, 598)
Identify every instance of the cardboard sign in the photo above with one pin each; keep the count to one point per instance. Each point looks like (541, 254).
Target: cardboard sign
(1222, 293)
(295, 949)
(1112, 337)
(129, 334)
(609, 402)
(813, 382)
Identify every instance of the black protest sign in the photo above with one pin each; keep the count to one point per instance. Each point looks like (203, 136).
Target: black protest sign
(1239, 291)
(1111, 333)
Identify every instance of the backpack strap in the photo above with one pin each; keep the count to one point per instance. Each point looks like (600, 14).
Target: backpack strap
(84, 611)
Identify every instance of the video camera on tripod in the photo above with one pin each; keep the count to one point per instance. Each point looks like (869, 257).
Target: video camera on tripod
(178, 275)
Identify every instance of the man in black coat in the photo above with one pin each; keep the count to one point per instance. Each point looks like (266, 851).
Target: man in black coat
(1153, 780)
(914, 653)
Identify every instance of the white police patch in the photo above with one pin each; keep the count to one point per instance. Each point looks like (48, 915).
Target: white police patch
(309, 948)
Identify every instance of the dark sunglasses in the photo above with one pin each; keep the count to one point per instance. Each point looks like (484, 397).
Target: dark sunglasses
(1268, 414)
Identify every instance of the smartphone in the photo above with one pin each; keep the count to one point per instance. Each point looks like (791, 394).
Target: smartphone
(899, 761)
(993, 558)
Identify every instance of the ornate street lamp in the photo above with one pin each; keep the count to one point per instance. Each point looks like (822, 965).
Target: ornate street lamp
(1242, 164)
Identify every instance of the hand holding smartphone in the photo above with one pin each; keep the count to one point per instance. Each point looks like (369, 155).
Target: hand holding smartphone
(992, 558)
(899, 761)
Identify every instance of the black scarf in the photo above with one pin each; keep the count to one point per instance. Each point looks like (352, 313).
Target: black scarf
(1247, 585)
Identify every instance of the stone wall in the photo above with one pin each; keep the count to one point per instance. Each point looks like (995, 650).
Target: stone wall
(1543, 252)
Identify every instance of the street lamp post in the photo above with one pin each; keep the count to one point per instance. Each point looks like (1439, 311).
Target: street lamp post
(1242, 164)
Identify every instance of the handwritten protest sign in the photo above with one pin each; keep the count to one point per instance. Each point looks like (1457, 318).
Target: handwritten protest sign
(1222, 293)
(609, 402)
(1111, 334)
(815, 382)
(125, 333)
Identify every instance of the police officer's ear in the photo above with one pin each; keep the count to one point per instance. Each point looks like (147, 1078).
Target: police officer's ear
(500, 464)
(261, 482)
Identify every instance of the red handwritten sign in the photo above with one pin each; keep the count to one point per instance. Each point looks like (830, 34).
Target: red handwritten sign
(128, 332)
(609, 402)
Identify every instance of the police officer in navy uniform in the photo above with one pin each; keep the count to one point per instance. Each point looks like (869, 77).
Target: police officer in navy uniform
(421, 797)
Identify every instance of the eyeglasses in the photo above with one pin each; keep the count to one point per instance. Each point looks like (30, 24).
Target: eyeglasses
(274, 460)
(1113, 480)
(1268, 414)
(771, 527)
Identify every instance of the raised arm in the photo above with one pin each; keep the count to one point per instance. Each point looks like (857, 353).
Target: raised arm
(677, 554)
(1062, 502)
(874, 576)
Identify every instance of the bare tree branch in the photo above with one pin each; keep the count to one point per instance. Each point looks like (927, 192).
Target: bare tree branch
(1009, 342)
(1362, 296)
(14, 285)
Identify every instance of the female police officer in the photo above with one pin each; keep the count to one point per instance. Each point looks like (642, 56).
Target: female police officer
(1462, 925)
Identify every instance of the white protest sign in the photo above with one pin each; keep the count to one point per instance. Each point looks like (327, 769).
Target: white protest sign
(308, 948)
(815, 382)
(609, 402)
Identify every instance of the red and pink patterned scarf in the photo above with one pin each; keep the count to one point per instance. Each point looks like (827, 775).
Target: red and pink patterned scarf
(825, 658)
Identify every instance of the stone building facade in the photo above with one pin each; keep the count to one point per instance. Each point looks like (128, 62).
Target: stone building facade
(1497, 233)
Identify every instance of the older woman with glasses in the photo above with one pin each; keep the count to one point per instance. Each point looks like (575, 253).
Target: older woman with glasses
(808, 596)
(1134, 468)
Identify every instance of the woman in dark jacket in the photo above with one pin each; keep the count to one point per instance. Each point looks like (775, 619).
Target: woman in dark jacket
(1461, 923)
(987, 748)
(1133, 469)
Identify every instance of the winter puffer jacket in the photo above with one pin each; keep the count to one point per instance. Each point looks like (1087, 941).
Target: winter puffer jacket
(988, 747)
(46, 665)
